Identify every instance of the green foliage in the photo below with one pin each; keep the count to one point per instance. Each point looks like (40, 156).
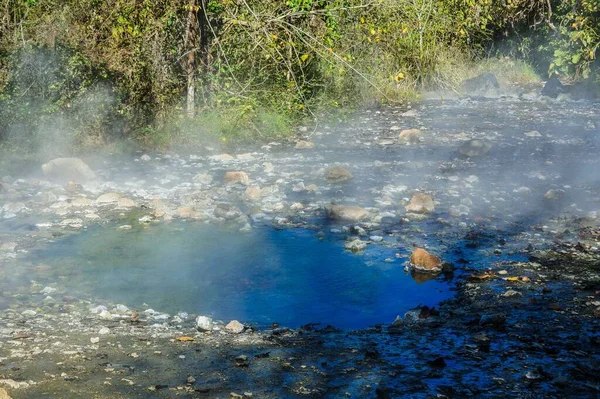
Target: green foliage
(102, 71)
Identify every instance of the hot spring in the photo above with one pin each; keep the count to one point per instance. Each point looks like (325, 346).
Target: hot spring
(291, 276)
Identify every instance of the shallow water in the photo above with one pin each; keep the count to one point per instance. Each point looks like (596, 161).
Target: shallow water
(285, 276)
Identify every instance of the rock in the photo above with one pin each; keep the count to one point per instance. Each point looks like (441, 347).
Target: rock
(73, 187)
(304, 145)
(553, 88)
(411, 113)
(235, 327)
(348, 212)
(497, 320)
(554, 194)
(420, 203)
(126, 203)
(145, 158)
(184, 212)
(73, 223)
(242, 361)
(410, 136)
(95, 340)
(481, 84)
(236, 177)
(68, 169)
(253, 192)
(533, 133)
(355, 245)
(81, 202)
(338, 174)
(204, 323)
(108, 198)
(203, 178)
(422, 260)
(245, 157)
(475, 148)
(221, 158)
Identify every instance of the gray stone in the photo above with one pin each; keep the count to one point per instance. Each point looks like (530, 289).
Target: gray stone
(68, 169)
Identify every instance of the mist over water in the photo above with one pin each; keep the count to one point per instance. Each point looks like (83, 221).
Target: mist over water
(288, 277)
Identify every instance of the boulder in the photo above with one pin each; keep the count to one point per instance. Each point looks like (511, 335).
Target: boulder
(475, 148)
(204, 323)
(411, 136)
(348, 212)
(553, 88)
(423, 261)
(304, 145)
(337, 174)
(420, 203)
(481, 84)
(356, 245)
(235, 327)
(236, 177)
(68, 169)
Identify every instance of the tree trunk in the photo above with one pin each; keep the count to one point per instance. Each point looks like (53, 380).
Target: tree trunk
(191, 40)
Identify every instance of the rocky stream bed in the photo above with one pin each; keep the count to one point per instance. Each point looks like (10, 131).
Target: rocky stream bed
(504, 192)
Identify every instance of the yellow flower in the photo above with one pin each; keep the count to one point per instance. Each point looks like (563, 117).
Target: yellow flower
(399, 77)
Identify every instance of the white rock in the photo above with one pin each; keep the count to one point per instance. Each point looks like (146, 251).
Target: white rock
(95, 340)
(104, 331)
(204, 323)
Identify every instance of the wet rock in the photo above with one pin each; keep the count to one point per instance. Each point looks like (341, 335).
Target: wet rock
(145, 158)
(423, 261)
(204, 323)
(497, 320)
(481, 84)
(75, 223)
(68, 169)
(108, 198)
(355, 245)
(236, 177)
(304, 145)
(338, 174)
(439, 363)
(242, 361)
(475, 148)
(235, 327)
(348, 212)
(410, 136)
(420, 203)
(553, 88)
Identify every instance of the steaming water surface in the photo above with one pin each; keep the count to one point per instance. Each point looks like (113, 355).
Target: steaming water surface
(287, 276)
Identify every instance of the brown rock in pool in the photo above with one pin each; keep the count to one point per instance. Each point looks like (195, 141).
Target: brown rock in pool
(420, 203)
(423, 261)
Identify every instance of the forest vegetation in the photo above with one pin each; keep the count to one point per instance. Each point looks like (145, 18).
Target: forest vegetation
(78, 75)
